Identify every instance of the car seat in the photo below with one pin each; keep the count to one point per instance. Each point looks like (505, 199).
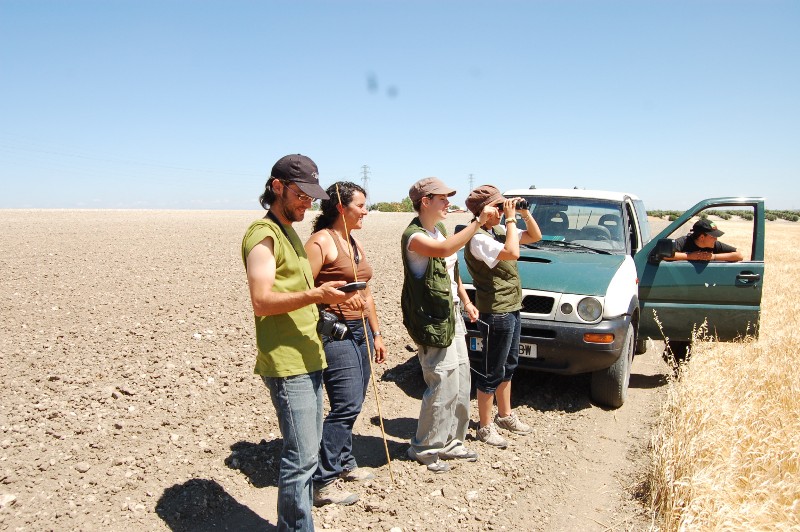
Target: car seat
(595, 232)
(554, 224)
(613, 223)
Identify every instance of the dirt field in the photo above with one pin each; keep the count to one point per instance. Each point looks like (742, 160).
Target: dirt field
(129, 400)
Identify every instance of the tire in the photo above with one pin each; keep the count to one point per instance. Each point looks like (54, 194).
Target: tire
(610, 386)
(641, 346)
(681, 349)
(677, 352)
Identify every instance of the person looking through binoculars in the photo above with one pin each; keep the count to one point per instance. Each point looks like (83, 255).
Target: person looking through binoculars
(491, 259)
(335, 254)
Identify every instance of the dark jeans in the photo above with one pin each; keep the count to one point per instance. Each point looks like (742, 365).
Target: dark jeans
(500, 350)
(346, 379)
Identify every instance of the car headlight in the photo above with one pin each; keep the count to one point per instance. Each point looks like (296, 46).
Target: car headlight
(589, 309)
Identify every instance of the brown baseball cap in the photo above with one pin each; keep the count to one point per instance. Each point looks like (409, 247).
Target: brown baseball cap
(301, 171)
(429, 185)
(481, 197)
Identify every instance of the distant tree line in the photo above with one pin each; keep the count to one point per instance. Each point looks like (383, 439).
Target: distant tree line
(403, 205)
(771, 215)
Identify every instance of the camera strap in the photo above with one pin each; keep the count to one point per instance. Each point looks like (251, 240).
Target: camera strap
(293, 244)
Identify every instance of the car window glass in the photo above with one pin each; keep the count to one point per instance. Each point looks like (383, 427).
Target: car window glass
(736, 223)
(598, 224)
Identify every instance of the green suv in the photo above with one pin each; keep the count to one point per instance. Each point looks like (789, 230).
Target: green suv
(596, 285)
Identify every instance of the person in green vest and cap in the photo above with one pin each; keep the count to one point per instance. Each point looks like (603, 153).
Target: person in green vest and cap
(491, 258)
(432, 300)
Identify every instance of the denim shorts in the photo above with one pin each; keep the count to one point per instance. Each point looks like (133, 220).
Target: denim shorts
(500, 350)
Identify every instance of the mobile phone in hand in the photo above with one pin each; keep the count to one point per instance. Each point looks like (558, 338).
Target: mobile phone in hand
(350, 287)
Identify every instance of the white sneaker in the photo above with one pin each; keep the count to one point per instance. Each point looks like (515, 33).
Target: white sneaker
(429, 460)
(512, 424)
(490, 436)
(459, 452)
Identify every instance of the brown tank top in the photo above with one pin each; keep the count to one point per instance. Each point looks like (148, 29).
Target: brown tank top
(341, 269)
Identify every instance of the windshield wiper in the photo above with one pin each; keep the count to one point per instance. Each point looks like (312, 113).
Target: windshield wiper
(571, 245)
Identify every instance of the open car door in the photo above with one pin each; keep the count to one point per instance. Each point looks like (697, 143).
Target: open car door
(684, 295)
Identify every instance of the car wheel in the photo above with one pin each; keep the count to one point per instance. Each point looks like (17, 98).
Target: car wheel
(610, 386)
(680, 349)
(677, 352)
(641, 346)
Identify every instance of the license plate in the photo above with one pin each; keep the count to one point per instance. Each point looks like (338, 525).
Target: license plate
(525, 350)
(476, 344)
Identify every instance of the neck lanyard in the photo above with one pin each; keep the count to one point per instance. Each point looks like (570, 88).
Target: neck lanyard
(291, 243)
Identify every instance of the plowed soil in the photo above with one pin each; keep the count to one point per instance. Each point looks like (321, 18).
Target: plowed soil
(128, 399)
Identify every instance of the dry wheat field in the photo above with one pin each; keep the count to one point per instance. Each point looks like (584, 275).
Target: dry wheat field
(726, 452)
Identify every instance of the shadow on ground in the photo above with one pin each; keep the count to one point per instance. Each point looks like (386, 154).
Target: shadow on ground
(647, 382)
(259, 462)
(203, 505)
(369, 451)
(408, 377)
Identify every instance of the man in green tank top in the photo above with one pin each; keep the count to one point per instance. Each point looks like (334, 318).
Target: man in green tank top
(290, 357)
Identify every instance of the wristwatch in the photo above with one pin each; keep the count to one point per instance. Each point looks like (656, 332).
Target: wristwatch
(376, 333)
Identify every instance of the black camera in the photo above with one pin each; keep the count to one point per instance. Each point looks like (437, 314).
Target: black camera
(329, 325)
(522, 204)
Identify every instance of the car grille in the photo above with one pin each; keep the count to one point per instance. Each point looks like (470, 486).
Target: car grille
(530, 304)
(537, 304)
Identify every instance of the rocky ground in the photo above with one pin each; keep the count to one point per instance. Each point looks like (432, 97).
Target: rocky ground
(128, 400)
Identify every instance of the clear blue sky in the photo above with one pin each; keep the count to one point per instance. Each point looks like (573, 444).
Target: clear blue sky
(187, 104)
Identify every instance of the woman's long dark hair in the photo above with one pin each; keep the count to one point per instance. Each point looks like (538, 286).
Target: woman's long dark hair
(329, 212)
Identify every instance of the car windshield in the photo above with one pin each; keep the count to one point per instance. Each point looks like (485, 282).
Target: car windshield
(591, 223)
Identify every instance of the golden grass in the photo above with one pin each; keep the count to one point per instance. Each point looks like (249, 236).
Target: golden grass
(727, 447)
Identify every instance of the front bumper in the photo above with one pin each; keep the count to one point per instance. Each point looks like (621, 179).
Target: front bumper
(560, 347)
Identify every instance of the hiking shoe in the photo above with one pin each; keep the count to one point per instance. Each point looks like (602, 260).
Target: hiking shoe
(333, 493)
(489, 435)
(459, 452)
(438, 467)
(512, 424)
(357, 474)
(429, 460)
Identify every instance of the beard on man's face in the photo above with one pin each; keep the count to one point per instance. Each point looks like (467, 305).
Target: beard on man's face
(290, 208)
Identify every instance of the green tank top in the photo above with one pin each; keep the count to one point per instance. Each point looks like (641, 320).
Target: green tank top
(288, 344)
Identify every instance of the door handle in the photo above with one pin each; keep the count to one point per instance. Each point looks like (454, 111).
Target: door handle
(748, 278)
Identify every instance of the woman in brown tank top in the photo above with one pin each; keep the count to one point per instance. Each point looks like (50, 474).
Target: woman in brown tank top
(334, 253)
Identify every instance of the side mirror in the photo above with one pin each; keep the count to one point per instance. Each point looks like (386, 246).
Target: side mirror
(665, 249)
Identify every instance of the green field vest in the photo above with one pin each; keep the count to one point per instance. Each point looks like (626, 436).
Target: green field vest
(427, 302)
(497, 289)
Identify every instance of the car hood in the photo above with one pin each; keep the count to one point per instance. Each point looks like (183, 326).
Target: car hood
(562, 271)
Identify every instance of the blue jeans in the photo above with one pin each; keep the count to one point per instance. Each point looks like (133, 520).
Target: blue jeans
(298, 404)
(346, 380)
(500, 350)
